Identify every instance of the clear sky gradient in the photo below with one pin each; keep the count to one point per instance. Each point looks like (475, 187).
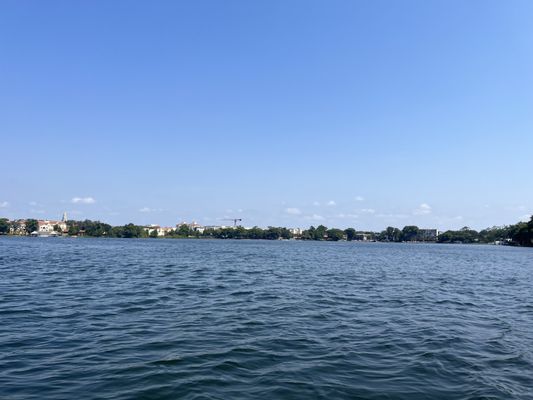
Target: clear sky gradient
(346, 113)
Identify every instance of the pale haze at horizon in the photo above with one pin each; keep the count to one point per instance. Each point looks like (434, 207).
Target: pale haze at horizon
(347, 114)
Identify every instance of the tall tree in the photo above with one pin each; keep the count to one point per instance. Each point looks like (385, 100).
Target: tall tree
(32, 225)
(183, 230)
(320, 232)
(4, 226)
(350, 234)
(335, 234)
(409, 233)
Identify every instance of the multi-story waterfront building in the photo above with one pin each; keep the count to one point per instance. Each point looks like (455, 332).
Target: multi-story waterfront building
(161, 230)
(48, 225)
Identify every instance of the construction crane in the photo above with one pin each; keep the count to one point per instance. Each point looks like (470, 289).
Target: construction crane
(235, 220)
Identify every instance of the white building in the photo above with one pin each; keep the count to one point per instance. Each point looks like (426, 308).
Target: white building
(216, 227)
(161, 230)
(194, 226)
(296, 231)
(363, 236)
(48, 225)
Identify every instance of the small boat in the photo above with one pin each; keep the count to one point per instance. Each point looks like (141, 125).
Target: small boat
(44, 234)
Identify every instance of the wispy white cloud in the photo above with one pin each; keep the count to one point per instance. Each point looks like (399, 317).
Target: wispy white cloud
(34, 211)
(149, 210)
(423, 209)
(392, 216)
(314, 217)
(4, 204)
(359, 198)
(443, 219)
(316, 203)
(368, 211)
(293, 211)
(346, 216)
(83, 200)
(32, 203)
(331, 203)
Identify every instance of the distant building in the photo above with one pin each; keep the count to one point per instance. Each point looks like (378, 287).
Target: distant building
(296, 231)
(161, 231)
(215, 227)
(166, 230)
(362, 236)
(428, 235)
(193, 226)
(47, 225)
(18, 227)
(150, 228)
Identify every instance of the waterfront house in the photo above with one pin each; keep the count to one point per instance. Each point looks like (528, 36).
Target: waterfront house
(18, 227)
(296, 232)
(46, 226)
(161, 230)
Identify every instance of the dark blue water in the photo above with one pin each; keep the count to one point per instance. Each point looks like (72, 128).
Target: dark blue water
(200, 319)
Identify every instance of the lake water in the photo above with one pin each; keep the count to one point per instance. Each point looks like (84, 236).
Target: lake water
(203, 319)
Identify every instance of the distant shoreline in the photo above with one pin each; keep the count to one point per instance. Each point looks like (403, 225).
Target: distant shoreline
(520, 234)
(355, 242)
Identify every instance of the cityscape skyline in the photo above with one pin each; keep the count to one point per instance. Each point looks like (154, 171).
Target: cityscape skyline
(290, 217)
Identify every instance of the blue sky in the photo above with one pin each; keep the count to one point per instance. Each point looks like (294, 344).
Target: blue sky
(346, 113)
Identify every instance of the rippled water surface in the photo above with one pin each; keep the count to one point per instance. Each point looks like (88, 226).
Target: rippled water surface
(201, 319)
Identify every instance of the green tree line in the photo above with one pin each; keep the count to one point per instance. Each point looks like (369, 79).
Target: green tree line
(517, 234)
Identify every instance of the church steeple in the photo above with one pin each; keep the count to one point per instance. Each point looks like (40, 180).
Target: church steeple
(64, 219)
